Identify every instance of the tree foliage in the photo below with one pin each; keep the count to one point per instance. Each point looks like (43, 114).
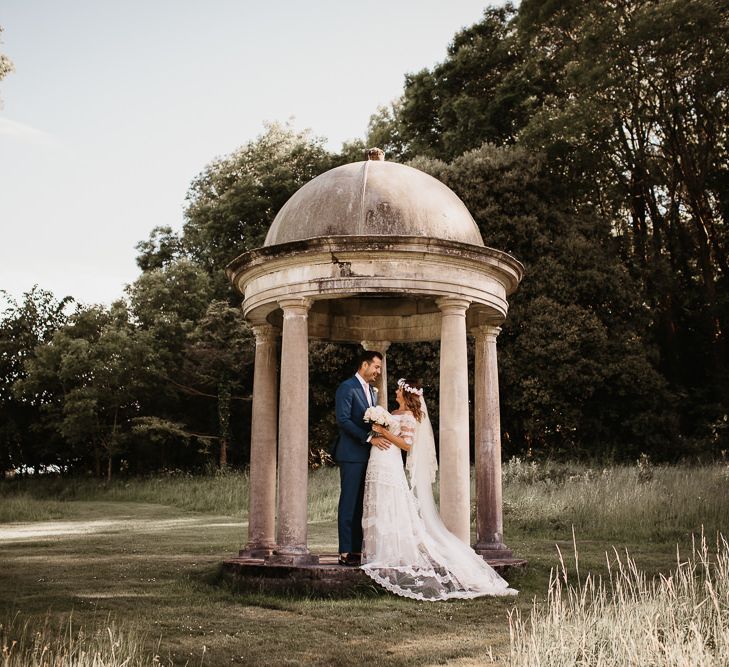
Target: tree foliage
(626, 104)
(232, 203)
(205, 352)
(589, 139)
(577, 303)
(480, 93)
(219, 358)
(638, 123)
(6, 65)
(24, 327)
(91, 380)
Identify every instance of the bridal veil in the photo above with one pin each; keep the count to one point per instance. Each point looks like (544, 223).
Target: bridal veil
(424, 561)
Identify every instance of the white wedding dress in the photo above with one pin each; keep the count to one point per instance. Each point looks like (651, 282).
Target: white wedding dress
(407, 549)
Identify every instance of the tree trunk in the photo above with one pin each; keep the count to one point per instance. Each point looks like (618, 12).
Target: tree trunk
(112, 443)
(224, 421)
(223, 452)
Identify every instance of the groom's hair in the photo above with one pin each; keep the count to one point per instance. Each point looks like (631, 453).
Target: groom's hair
(367, 356)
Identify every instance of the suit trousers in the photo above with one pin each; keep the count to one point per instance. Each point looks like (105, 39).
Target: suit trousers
(352, 477)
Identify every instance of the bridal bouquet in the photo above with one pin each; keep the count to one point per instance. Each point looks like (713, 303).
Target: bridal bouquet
(378, 415)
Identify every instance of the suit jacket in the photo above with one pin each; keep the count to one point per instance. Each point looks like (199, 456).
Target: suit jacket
(350, 406)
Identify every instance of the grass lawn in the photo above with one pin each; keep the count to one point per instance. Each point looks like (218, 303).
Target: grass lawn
(154, 568)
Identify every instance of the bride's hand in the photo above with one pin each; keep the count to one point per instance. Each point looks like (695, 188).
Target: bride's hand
(378, 428)
(380, 443)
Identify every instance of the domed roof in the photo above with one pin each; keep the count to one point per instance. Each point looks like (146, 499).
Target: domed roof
(374, 198)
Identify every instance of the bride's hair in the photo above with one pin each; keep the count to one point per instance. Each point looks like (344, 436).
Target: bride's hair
(412, 400)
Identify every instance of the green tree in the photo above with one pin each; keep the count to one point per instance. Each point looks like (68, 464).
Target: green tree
(627, 104)
(639, 125)
(352, 151)
(219, 362)
(167, 302)
(162, 248)
(572, 347)
(205, 350)
(383, 131)
(233, 202)
(482, 91)
(93, 377)
(24, 440)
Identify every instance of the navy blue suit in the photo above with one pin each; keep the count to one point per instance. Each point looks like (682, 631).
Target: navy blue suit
(351, 452)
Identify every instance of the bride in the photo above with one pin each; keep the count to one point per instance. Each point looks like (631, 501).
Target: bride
(407, 549)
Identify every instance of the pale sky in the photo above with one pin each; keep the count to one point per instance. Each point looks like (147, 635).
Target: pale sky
(115, 106)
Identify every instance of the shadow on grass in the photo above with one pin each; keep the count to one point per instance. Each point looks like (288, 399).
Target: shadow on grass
(249, 589)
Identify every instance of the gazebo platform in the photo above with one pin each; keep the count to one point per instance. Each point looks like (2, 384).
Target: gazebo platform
(327, 578)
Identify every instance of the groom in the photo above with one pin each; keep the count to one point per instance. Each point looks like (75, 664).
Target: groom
(352, 451)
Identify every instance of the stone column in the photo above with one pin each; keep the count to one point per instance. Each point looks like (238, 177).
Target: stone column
(455, 486)
(381, 385)
(487, 424)
(262, 482)
(293, 438)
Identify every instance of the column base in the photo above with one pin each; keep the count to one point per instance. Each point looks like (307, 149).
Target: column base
(493, 550)
(295, 558)
(252, 550)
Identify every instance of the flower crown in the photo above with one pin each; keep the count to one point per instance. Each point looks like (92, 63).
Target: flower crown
(403, 384)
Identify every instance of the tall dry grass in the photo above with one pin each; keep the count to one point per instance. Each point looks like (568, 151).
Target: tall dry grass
(34, 642)
(323, 494)
(679, 619)
(642, 501)
(44, 498)
(22, 506)
(41, 498)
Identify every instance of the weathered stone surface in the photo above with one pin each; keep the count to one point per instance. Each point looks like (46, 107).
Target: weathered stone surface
(487, 422)
(264, 432)
(361, 285)
(293, 451)
(326, 578)
(374, 198)
(455, 482)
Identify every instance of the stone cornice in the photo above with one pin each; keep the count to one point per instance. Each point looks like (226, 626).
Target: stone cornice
(344, 248)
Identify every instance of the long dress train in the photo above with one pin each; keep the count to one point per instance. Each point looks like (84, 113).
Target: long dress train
(407, 549)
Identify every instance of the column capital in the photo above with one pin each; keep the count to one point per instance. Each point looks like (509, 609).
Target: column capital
(296, 305)
(488, 331)
(453, 305)
(376, 345)
(265, 333)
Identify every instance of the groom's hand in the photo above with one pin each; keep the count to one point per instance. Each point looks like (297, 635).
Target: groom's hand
(380, 443)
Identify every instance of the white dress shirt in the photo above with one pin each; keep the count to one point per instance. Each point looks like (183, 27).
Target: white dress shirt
(366, 388)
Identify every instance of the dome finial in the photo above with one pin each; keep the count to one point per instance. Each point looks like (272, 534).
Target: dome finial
(375, 154)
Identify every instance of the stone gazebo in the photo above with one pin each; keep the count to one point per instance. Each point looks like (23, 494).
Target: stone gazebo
(372, 252)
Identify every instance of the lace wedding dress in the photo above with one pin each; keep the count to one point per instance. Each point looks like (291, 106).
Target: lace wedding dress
(407, 549)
